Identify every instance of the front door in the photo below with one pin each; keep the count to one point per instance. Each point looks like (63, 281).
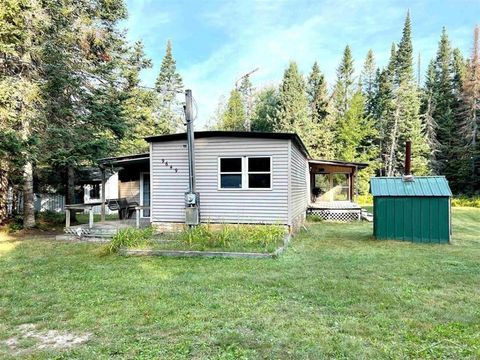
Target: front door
(145, 193)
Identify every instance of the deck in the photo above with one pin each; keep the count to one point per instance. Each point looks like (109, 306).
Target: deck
(102, 229)
(334, 205)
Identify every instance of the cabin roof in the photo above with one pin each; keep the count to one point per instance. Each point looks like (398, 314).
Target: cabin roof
(237, 134)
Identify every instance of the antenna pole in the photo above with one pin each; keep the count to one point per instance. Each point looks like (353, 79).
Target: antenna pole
(190, 141)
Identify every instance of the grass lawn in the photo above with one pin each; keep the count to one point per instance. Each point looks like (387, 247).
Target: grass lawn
(335, 293)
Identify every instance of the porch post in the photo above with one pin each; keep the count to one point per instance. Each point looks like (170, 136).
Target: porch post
(137, 217)
(90, 217)
(104, 181)
(67, 218)
(356, 184)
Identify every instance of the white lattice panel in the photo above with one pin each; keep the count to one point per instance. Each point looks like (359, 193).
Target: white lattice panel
(78, 231)
(336, 215)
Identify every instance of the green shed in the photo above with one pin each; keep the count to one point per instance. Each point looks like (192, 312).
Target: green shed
(413, 209)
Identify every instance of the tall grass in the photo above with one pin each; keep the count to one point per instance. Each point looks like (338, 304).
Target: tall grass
(234, 236)
(129, 238)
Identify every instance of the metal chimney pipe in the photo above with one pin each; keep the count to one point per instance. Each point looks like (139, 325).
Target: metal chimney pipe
(408, 158)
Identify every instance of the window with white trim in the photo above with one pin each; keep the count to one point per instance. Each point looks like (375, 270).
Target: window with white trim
(231, 173)
(259, 173)
(253, 172)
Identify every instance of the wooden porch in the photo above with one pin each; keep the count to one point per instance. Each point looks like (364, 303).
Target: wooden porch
(104, 229)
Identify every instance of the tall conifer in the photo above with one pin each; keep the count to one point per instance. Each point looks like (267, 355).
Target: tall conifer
(169, 85)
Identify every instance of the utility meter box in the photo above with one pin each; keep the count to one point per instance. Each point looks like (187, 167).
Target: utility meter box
(191, 199)
(192, 208)
(192, 215)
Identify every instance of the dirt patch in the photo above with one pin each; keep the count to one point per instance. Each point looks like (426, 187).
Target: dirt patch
(44, 339)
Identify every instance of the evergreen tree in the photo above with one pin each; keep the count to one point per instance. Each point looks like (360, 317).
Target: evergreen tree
(459, 69)
(344, 86)
(233, 118)
(139, 105)
(470, 115)
(407, 123)
(317, 94)
(384, 110)
(83, 58)
(323, 124)
(404, 55)
(293, 103)
(21, 37)
(246, 91)
(368, 82)
(168, 85)
(264, 111)
(428, 113)
(292, 112)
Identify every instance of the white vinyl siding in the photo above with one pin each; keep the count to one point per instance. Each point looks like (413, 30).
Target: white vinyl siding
(219, 205)
(298, 183)
(167, 186)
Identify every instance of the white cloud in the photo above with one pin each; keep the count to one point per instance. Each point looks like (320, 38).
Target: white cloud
(268, 34)
(260, 41)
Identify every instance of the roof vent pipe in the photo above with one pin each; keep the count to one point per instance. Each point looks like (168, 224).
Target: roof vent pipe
(407, 176)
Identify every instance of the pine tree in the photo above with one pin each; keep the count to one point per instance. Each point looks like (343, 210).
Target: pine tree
(317, 94)
(406, 123)
(322, 123)
(293, 103)
(264, 110)
(459, 69)
(368, 82)
(233, 119)
(470, 113)
(344, 86)
(246, 91)
(404, 55)
(168, 85)
(83, 97)
(292, 112)
(21, 36)
(139, 105)
(428, 114)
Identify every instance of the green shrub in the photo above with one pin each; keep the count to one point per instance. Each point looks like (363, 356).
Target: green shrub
(129, 237)
(366, 199)
(14, 224)
(466, 201)
(314, 218)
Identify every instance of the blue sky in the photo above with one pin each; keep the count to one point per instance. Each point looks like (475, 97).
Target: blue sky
(215, 42)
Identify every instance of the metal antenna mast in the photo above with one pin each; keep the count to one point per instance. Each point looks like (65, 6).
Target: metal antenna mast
(192, 213)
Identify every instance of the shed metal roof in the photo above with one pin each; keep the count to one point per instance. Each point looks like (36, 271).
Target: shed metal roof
(420, 186)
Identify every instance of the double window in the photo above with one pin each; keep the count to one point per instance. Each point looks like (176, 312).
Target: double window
(245, 172)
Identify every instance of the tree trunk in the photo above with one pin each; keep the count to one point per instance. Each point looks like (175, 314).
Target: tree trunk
(71, 191)
(391, 159)
(3, 196)
(28, 197)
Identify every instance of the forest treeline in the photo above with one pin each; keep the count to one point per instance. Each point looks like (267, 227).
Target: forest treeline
(70, 93)
(367, 115)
